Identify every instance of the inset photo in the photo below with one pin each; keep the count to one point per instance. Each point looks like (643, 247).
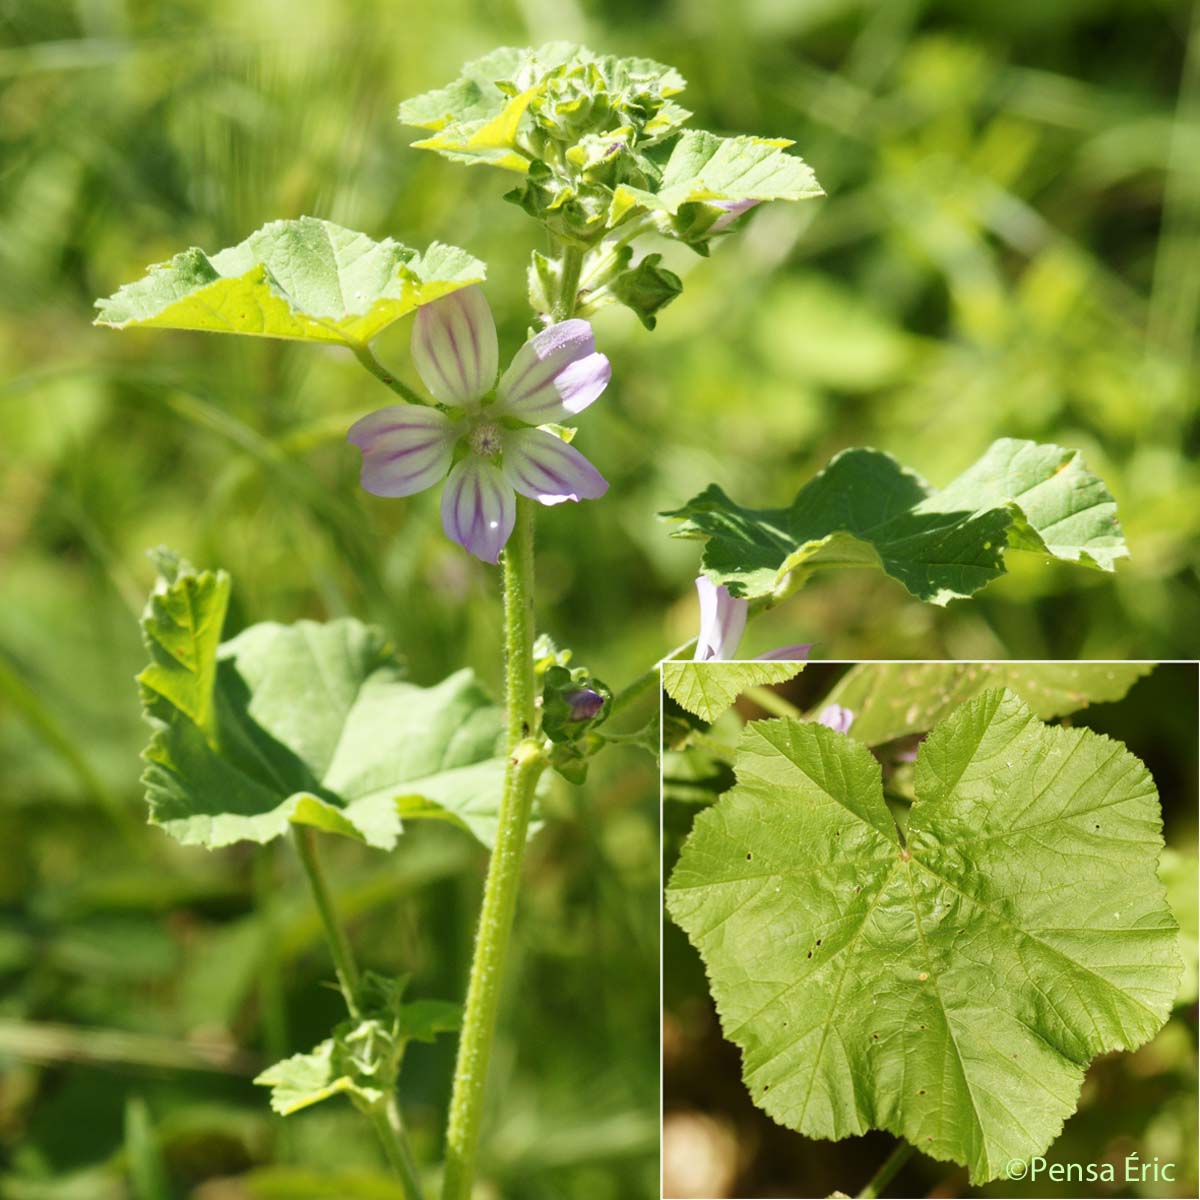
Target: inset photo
(930, 929)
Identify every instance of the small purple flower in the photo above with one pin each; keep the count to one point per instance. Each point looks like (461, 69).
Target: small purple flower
(722, 623)
(730, 211)
(835, 717)
(488, 440)
(585, 703)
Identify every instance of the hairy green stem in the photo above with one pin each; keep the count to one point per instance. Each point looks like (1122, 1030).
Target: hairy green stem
(366, 356)
(388, 1124)
(894, 1161)
(525, 764)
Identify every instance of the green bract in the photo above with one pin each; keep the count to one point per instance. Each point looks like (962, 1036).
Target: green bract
(951, 986)
(708, 689)
(307, 280)
(307, 723)
(890, 700)
(604, 159)
(865, 510)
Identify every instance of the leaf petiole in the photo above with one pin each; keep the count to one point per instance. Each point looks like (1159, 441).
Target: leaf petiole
(335, 935)
(366, 356)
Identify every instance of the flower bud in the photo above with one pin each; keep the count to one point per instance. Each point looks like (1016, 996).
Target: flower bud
(585, 703)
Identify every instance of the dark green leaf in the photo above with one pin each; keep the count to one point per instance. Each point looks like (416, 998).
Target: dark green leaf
(865, 510)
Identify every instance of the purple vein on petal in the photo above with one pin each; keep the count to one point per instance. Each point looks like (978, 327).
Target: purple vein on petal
(454, 347)
(542, 466)
(478, 508)
(555, 373)
(405, 449)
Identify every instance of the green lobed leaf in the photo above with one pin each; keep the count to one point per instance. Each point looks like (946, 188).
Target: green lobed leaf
(308, 280)
(305, 1079)
(951, 988)
(865, 510)
(304, 724)
(473, 96)
(703, 167)
(890, 700)
(181, 627)
(707, 689)
(423, 1020)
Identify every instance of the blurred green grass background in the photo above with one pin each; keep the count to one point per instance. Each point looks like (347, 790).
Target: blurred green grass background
(1009, 247)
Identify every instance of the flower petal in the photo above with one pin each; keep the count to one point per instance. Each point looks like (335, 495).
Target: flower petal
(555, 374)
(454, 347)
(478, 508)
(722, 622)
(546, 469)
(405, 448)
(787, 654)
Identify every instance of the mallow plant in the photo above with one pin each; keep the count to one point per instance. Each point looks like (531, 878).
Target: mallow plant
(311, 728)
(921, 907)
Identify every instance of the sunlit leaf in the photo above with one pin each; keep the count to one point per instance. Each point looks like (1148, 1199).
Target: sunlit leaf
(950, 986)
(307, 280)
(709, 688)
(182, 629)
(890, 700)
(865, 510)
(705, 167)
(306, 1079)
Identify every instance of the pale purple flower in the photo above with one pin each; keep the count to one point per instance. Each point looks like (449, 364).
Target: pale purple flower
(835, 717)
(485, 434)
(722, 623)
(730, 211)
